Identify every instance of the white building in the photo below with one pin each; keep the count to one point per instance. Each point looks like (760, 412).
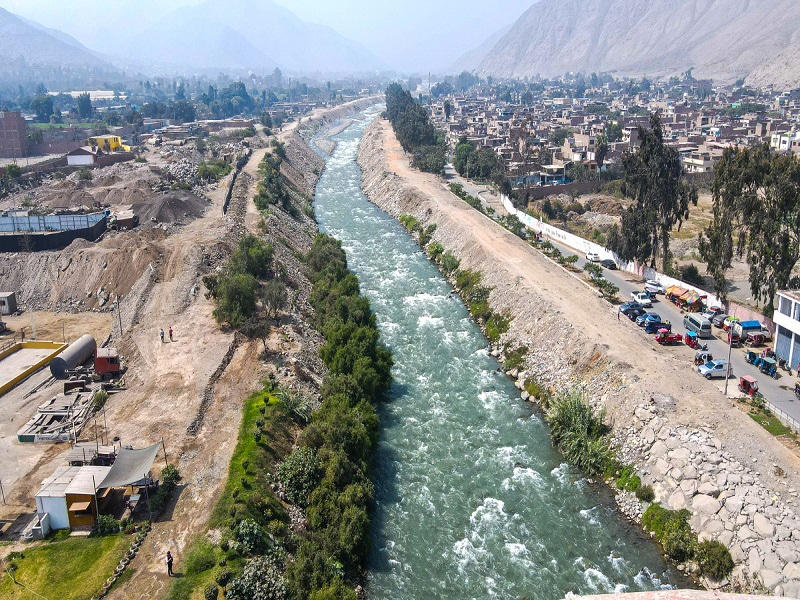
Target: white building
(787, 327)
(83, 156)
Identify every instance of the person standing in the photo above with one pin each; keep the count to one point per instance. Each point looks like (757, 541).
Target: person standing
(170, 335)
(169, 564)
(162, 335)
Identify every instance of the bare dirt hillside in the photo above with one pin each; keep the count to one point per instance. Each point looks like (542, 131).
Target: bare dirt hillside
(720, 39)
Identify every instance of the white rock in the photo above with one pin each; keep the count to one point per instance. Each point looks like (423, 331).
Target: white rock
(762, 525)
(705, 504)
(770, 579)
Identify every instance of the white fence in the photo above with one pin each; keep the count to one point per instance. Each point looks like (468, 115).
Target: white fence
(585, 246)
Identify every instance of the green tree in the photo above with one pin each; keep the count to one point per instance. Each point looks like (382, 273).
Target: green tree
(463, 151)
(448, 109)
(654, 180)
(253, 257)
(235, 297)
(274, 297)
(600, 150)
(85, 106)
(43, 107)
(756, 206)
(613, 131)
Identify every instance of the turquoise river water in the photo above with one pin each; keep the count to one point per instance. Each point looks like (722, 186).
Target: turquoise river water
(472, 500)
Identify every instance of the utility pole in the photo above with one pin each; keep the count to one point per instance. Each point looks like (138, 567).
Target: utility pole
(2, 493)
(730, 348)
(119, 314)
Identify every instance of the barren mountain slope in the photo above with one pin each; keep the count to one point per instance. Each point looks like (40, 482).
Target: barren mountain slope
(721, 39)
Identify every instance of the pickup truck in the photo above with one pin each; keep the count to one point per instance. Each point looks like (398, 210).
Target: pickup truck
(715, 368)
(642, 298)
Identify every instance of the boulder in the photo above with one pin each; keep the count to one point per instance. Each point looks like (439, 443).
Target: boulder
(762, 525)
(706, 505)
(770, 579)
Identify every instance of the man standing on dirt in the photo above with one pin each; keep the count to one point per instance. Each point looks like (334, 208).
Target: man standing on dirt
(170, 335)
(162, 335)
(169, 564)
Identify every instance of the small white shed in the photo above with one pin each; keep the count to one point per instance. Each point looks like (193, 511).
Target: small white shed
(82, 157)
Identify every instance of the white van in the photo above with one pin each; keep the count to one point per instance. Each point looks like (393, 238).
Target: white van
(697, 323)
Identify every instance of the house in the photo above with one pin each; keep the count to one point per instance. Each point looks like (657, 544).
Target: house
(70, 496)
(8, 303)
(13, 135)
(83, 156)
(787, 327)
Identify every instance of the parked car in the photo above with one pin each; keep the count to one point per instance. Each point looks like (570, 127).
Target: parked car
(712, 312)
(715, 368)
(654, 326)
(629, 306)
(593, 257)
(634, 314)
(654, 287)
(718, 320)
(608, 264)
(642, 298)
(648, 316)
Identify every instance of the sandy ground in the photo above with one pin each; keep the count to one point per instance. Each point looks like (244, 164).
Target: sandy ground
(514, 268)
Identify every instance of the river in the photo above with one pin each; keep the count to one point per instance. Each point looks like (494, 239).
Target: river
(472, 500)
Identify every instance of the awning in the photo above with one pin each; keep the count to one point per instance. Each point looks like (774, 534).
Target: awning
(131, 466)
(79, 506)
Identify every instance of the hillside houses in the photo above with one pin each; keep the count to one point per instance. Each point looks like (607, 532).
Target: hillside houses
(542, 140)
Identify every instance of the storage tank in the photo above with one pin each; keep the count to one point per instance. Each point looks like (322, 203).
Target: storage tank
(73, 356)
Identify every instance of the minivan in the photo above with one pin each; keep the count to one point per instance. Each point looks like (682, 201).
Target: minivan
(697, 323)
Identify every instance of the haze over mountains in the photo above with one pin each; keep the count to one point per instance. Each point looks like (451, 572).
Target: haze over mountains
(722, 39)
(22, 40)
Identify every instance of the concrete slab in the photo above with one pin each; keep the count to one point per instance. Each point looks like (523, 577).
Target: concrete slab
(23, 359)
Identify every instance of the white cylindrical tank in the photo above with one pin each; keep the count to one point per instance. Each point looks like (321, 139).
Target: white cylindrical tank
(73, 356)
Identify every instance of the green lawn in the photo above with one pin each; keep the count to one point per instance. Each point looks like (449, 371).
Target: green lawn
(68, 569)
(770, 422)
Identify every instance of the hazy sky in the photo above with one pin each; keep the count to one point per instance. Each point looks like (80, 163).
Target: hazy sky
(405, 34)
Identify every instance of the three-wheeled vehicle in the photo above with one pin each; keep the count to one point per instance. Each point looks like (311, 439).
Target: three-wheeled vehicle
(665, 336)
(690, 339)
(701, 357)
(748, 385)
(752, 357)
(755, 339)
(769, 367)
(797, 388)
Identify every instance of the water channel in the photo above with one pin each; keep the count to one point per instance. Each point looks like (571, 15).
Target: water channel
(472, 500)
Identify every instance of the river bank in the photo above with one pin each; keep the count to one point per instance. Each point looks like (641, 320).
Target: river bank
(696, 448)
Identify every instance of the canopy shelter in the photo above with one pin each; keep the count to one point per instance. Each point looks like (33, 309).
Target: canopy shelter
(675, 290)
(131, 467)
(690, 297)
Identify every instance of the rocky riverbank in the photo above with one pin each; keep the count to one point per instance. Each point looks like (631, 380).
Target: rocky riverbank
(696, 448)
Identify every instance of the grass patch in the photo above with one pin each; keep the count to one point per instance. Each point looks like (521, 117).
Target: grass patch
(496, 326)
(769, 422)
(515, 358)
(69, 569)
(247, 495)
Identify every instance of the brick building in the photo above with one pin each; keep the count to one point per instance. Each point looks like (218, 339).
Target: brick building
(13, 135)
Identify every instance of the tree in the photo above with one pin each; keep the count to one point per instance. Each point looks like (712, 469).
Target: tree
(266, 120)
(256, 327)
(235, 297)
(253, 257)
(654, 180)
(183, 111)
(43, 107)
(600, 150)
(613, 131)
(448, 108)
(756, 204)
(274, 296)
(85, 105)
(463, 150)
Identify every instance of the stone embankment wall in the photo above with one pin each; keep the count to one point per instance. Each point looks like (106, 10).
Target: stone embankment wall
(695, 447)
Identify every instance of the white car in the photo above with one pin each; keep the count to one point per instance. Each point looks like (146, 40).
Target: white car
(642, 298)
(593, 257)
(654, 287)
(715, 368)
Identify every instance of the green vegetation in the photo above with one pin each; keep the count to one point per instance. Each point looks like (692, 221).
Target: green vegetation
(579, 433)
(514, 358)
(482, 164)
(213, 170)
(654, 179)
(756, 205)
(71, 568)
(271, 189)
(13, 170)
(235, 289)
(672, 530)
(414, 130)
(496, 326)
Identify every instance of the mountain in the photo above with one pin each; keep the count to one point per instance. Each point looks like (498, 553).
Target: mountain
(721, 39)
(248, 34)
(42, 47)
(469, 61)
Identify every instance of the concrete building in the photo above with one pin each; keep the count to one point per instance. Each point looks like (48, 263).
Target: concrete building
(8, 303)
(787, 327)
(83, 156)
(13, 135)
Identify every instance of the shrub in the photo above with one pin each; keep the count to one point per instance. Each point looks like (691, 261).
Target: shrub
(628, 480)
(300, 473)
(106, 524)
(211, 592)
(646, 493)
(449, 263)
(425, 236)
(223, 577)
(100, 398)
(496, 326)
(261, 580)
(336, 590)
(410, 222)
(579, 433)
(84, 175)
(213, 170)
(13, 170)
(714, 559)
(672, 530)
(690, 274)
(200, 559)
(515, 358)
(249, 534)
(435, 250)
